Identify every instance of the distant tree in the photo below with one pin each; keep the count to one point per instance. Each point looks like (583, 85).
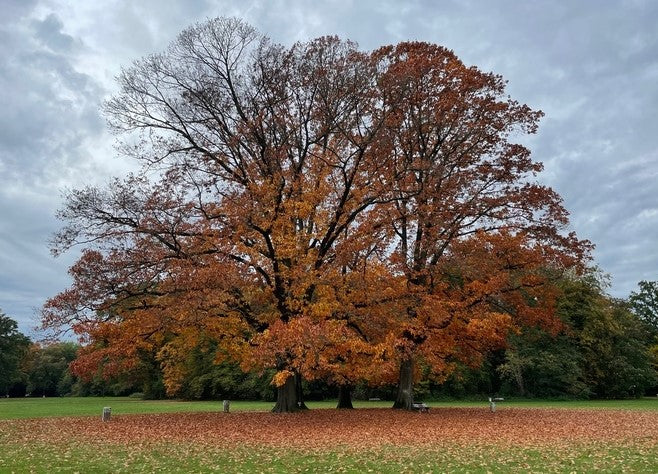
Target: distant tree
(602, 349)
(201, 378)
(612, 341)
(143, 376)
(617, 356)
(47, 368)
(13, 346)
(540, 364)
(644, 303)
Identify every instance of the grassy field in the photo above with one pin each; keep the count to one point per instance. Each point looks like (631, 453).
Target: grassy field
(56, 435)
(449, 457)
(16, 408)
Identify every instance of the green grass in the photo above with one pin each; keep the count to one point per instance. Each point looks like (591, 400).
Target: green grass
(18, 455)
(458, 458)
(643, 404)
(16, 408)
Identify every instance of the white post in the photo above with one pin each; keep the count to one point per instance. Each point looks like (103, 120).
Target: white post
(107, 412)
(226, 405)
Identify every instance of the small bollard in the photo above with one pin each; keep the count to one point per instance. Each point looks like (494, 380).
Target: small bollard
(107, 412)
(226, 406)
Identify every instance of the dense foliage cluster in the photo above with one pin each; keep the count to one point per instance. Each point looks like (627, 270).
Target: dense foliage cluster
(604, 349)
(13, 346)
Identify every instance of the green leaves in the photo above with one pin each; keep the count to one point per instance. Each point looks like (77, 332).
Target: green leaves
(13, 346)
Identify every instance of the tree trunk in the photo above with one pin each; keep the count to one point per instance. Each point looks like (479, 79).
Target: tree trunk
(345, 396)
(300, 392)
(286, 397)
(405, 397)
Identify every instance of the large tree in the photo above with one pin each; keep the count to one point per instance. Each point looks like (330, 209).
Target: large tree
(267, 158)
(314, 209)
(460, 186)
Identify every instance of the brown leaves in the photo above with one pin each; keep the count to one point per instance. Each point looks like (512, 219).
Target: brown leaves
(359, 429)
(365, 440)
(317, 208)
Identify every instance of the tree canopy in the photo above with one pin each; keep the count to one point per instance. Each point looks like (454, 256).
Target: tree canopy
(13, 346)
(316, 209)
(644, 303)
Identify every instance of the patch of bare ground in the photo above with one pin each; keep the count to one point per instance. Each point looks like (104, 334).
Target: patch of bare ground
(362, 428)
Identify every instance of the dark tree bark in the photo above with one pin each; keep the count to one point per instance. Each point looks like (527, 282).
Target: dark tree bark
(286, 397)
(345, 397)
(405, 396)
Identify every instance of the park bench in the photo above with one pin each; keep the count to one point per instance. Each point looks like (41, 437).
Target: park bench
(421, 407)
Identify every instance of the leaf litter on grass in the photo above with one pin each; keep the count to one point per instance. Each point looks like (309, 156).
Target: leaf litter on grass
(382, 440)
(317, 429)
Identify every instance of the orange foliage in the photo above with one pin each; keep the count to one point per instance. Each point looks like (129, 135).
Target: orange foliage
(321, 210)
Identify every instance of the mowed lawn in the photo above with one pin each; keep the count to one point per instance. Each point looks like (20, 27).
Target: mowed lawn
(67, 435)
(15, 408)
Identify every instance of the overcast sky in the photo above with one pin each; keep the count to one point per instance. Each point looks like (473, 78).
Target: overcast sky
(591, 66)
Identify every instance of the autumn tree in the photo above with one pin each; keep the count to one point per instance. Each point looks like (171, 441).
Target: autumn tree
(315, 209)
(268, 162)
(458, 179)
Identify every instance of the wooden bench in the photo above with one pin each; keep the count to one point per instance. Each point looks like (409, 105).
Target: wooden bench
(420, 406)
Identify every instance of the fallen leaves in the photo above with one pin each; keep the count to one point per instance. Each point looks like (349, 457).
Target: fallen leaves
(364, 440)
(328, 429)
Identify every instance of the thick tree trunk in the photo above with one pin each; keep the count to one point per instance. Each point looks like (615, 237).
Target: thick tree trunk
(290, 396)
(405, 397)
(286, 397)
(345, 396)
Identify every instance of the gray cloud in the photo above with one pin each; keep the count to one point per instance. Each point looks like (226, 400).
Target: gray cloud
(13, 9)
(51, 108)
(593, 71)
(50, 116)
(592, 67)
(49, 32)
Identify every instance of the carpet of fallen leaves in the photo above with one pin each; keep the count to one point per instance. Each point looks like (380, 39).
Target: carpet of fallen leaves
(361, 429)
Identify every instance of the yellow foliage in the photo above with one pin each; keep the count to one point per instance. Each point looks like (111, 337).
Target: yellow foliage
(280, 378)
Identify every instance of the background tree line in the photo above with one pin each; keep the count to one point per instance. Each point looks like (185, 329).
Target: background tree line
(607, 348)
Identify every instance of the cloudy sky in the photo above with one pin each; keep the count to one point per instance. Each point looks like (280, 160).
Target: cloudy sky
(591, 66)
